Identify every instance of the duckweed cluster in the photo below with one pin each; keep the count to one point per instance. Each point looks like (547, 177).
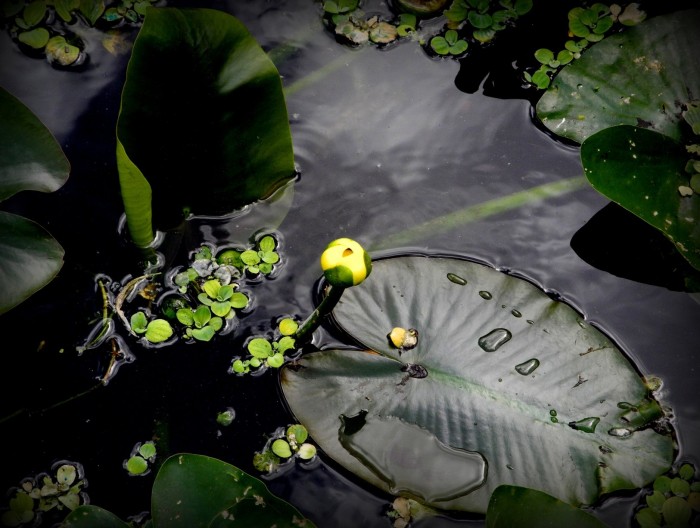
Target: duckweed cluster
(674, 501)
(283, 447)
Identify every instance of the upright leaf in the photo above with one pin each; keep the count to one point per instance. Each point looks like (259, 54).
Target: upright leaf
(203, 115)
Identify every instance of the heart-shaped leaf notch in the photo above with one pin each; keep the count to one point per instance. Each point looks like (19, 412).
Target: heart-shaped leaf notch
(505, 385)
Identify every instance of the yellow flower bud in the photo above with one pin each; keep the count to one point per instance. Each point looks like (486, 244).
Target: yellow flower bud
(403, 339)
(345, 263)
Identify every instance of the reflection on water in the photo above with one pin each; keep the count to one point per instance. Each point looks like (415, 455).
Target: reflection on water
(384, 141)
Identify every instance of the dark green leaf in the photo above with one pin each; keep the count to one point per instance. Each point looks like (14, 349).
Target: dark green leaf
(642, 170)
(36, 38)
(202, 98)
(89, 516)
(195, 490)
(92, 10)
(29, 259)
(518, 507)
(34, 12)
(31, 158)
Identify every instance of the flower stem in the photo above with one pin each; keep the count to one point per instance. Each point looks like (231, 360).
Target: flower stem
(306, 329)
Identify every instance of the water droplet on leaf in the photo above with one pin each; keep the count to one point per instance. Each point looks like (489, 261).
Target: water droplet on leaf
(527, 367)
(494, 339)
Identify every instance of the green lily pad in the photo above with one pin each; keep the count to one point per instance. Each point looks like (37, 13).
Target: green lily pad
(505, 386)
(89, 516)
(203, 116)
(642, 171)
(517, 507)
(196, 490)
(639, 77)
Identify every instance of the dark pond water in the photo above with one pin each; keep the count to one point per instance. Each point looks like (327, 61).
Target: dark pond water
(397, 150)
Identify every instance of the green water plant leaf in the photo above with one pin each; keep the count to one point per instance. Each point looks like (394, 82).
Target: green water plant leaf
(31, 160)
(642, 171)
(505, 385)
(195, 490)
(202, 116)
(638, 77)
(518, 507)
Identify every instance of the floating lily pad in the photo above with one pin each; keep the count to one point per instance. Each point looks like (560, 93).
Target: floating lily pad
(642, 171)
(505, 385)
(517, 507)
(642, 76)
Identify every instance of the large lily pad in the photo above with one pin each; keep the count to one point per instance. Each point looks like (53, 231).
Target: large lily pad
(642, 171)
(203, 116)
(640, 77)
(505, 386)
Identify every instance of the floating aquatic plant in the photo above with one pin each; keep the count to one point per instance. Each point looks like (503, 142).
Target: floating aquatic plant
(399, 418)
(143, 455)
(589, 25)
(58, 491)
(196, 490)
(283, 447)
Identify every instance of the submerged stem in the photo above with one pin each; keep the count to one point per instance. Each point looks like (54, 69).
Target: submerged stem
(306, 329)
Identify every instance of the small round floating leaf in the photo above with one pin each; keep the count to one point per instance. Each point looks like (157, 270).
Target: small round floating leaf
(201, 316)
(280, 447)
(148, 450)
(288, 326)
(544, 55)
(286, 343)
(260, 347)
(159, 330)
(307, 451)
(440, 45)
(66, 475)
(185, 316)
(239, 366)
(238, 300)
(216, 323)
(464, 385)
(36, 38)
(662, 484)
(676, 512)
(648, 518)
(139, 322)
(655, 501)
(136, 465)
(221, 308)
(250, 257)
(680, 487)
(686, 471)
(34, 12)
(203, 334)
(58, 50)
(225, 418)
(276, 360)
(298, 433)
